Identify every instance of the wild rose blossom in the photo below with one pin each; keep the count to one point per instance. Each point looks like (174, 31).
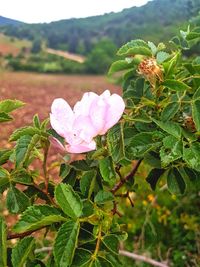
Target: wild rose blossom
(93, 115)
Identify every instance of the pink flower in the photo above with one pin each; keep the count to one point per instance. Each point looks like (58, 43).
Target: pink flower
(93, 115)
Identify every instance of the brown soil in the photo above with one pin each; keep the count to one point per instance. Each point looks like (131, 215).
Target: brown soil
(39, 90)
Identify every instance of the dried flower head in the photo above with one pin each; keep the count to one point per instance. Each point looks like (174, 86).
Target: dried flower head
(150, 70)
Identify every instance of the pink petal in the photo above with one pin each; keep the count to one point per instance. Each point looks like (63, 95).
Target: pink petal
(98, 111)
(82, 107)
(56, 143)
(61, 117)
(114, 112)
(81, 148)
(84, 128)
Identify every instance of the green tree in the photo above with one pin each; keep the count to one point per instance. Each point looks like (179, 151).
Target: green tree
(101, 57)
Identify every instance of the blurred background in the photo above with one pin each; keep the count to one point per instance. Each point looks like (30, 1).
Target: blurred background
(61, 49)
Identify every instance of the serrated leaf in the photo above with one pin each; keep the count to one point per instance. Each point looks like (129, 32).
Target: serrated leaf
(196, 114)
(64, 170)
(81, 165)
(87, 183)
(175, 85)
(102, 262)
(192, 36)
(107, 169)
(153, 48)
(134, 47)
(140, 144)
(16, 201)
(36, 121)
(68, 200)
(21, 251)
(170, 111)
(22, 177)
(3, 243)
(5, 155)
(175, 182)
(171, 150)
(153, 177)
(170, 127)
(37, 216)
(28, 130)
(103, 197)
(81, 258)
(115, 141)
(66, 243)
(9, 105)
(112, 243)
(162, 56)
(114, 260)
(4, 117)
(4, 176)
(24, 146)
(196, 95)
(119, 65)
(191, 155)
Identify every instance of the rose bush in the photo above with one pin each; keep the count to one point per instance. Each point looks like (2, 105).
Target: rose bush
(78, 218)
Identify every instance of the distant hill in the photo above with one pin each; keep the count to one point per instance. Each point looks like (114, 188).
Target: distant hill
(7, 21)
(157, 21)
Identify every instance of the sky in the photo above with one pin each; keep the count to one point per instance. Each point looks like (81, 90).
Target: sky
(35, 11)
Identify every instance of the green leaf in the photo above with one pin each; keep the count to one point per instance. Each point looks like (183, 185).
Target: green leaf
(68, 200)
(16, 201)
(22, 177)
(112, 243)
(28, 130)
(192, 36)
(119, 65)
(134, 47)
(172, 150)
(107, 169)
(103, 197)
(169, 66)
(71, 177)
(191, 155)
(175, 182)
(176, 85)
(115, 141)
(170, 127)
(64, 170)
(21, 251)
(140, 144)
(196, 95)
(81, 258)
(9, 105)
(5, 155)
(4, 117)
(114, 260)
(81, 165)
(153, 48)
(36, 217)
(36, 121)
(170, 111)
(102, 262)
(196, 114)
(66, 243)
(4, 177)
(162, 56)
(3, 243)
(153, 177)
(24, 146)
(87, 183)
